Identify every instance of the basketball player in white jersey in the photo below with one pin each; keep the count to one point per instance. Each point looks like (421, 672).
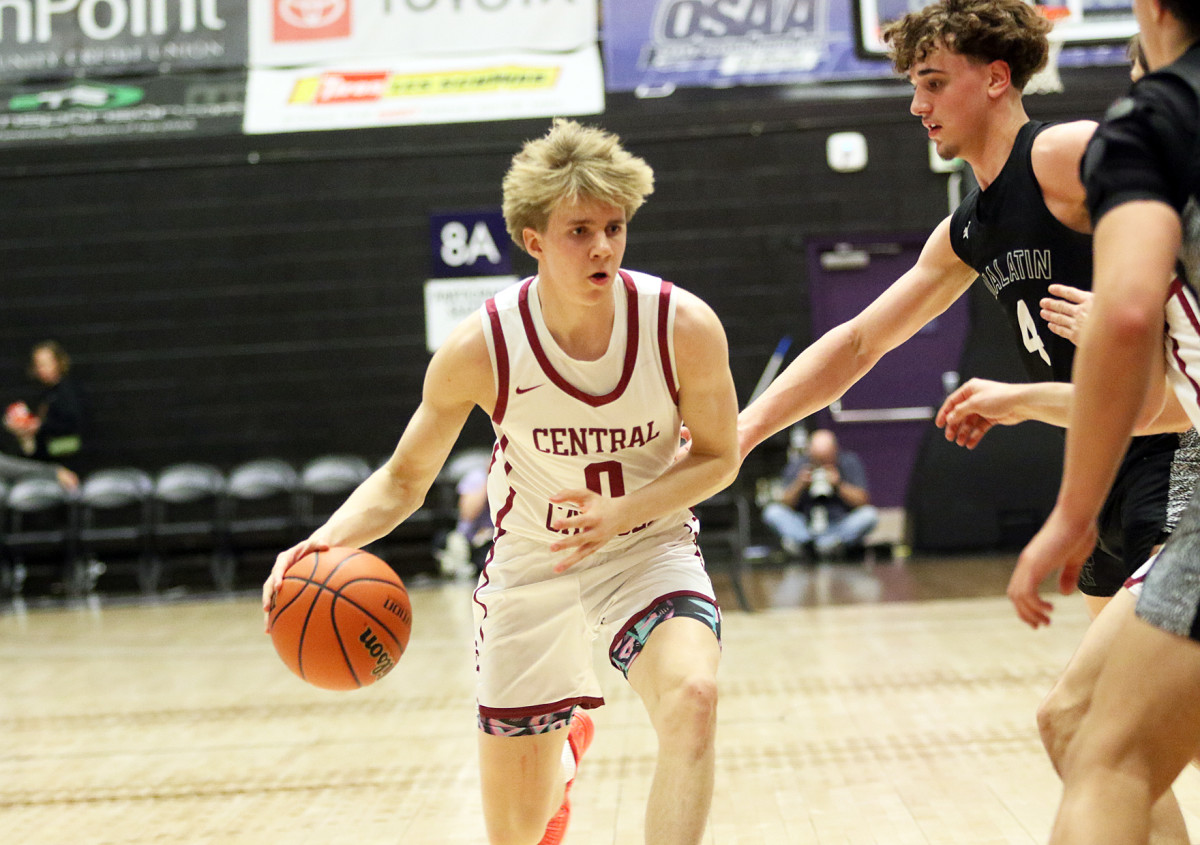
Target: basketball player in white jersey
(587, 372)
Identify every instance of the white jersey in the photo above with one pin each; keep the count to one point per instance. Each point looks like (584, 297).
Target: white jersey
(1183, 347)
(610, 425)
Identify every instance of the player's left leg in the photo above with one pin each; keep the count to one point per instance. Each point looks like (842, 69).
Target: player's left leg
(676, 676)
(1140, 731)
(1068, 702)
(522, 783)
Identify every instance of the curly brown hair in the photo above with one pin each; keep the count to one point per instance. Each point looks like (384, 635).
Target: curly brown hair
(984, 30)
(1186, 11)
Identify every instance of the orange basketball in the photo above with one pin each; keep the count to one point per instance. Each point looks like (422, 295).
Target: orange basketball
(341, 618)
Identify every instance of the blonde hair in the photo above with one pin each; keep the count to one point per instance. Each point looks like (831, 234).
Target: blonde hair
(569, 163)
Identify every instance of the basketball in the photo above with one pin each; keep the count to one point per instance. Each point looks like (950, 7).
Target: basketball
(341, 618)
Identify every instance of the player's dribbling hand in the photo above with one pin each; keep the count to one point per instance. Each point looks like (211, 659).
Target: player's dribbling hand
(1058, 546)
(598, 520)
(283, 562)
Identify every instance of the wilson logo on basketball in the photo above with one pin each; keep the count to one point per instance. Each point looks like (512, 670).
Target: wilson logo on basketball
(311, 20)
(383, 660)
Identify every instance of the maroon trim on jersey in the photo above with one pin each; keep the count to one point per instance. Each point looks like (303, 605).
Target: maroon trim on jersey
(485, 579)
(501, 363)
(644, 612)
(587, 702)
(1177, 292)
(631, 347)
(664, 347)
(512, 494)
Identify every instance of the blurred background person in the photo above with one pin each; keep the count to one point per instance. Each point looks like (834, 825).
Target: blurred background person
(823, 507)
(51, 427)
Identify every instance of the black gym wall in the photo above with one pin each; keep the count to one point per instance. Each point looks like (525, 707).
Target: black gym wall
(251, 296)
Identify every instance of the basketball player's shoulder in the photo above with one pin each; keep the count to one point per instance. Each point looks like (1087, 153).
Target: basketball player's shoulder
(696, 323)
(1060, 146)
(1056, 155)
(463, 362)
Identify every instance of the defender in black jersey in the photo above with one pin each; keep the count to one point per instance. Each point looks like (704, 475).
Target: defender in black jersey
(1009, 236)
(1142, 173)
(968, 61)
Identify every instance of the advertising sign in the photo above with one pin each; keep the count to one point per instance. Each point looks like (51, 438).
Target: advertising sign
(108, 109)
(661, 44)
(358, 94)
(450, 301)
(43, 39)
(292, 32)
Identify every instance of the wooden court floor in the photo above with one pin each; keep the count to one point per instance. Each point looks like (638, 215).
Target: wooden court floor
(860, 704)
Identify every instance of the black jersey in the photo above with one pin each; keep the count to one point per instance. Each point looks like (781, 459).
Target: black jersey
(1018, 248)
(1008, 236)
(1148, 147)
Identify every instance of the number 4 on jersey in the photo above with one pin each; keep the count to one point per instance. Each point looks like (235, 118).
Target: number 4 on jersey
(1029, 332)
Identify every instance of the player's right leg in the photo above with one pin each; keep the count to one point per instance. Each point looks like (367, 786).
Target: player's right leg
(522, 781)
(1064, 708)
(1141, 730)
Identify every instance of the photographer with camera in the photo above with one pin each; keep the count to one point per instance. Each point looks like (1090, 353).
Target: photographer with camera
(823, 507)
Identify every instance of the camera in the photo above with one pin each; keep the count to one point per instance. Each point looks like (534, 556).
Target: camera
(820, 486)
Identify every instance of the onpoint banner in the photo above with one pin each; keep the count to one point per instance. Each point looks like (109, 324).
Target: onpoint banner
(47, 39)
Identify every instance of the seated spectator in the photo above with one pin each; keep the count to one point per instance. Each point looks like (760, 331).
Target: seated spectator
(823, 507)
(465, 548)
(52, 429)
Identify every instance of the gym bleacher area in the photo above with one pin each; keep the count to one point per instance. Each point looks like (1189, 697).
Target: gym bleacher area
(189, 528)
(193, 528)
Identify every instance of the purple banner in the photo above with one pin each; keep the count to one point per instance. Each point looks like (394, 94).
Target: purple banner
(658, 45)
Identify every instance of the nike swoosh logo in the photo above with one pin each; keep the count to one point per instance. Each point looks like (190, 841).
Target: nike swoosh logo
(521, 390)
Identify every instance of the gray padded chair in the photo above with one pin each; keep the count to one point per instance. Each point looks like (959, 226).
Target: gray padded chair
(189, 518)
(40, 525)
(115, 522)
(261, 511)
(325, 482)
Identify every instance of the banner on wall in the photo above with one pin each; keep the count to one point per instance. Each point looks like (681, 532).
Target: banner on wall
(356, 95)
(469, 243)
(661, 44)
(47, 39)
(450, 301)
(126, 108)
(293, 32)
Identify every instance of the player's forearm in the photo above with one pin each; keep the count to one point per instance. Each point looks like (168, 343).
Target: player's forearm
(1109, 391)
(1135, 246)
(1111, 375)
(689, 481)
(1047, 401)
(372, 511)
(817, 377)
